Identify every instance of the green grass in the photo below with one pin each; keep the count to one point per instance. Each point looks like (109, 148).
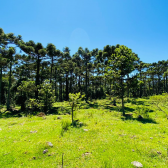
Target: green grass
(111, 140)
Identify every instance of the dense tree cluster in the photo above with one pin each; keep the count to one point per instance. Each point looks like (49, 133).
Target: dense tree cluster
(29, 71)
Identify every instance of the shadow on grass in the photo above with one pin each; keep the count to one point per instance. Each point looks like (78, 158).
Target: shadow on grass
(147, 120)
(77, 124)
(136, 102)
(142, 120)
(18, 113)
(91, 105)
(118, 108)
(128, 109)
(11, 113)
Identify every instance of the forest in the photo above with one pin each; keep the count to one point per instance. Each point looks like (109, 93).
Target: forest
(117, 103)
(33, 76)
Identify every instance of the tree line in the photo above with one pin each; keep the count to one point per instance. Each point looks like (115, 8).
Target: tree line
(31, 72)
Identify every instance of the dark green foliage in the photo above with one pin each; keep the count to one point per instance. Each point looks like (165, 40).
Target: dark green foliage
(121, 64)
(115, 71)
(26, 89)
(46, 96)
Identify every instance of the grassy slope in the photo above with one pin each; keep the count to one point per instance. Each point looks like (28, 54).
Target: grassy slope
(111, 141)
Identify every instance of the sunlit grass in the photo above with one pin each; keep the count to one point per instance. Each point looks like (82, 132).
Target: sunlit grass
(110, 140)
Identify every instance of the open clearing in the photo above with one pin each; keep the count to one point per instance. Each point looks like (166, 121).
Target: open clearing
(104, 139)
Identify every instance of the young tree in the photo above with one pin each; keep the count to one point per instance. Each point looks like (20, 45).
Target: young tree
(74, 99)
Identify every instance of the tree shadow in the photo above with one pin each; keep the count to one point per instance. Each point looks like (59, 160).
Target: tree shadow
(118, 108)
(142, 120)
(128, 109)
(111, 107)
(11, 113)
(150, 110)
(147, 120)
(136, 102)
(78, 124)
(139, 103)
(92, 105)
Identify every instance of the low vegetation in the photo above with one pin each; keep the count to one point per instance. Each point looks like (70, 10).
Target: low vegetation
(101, 137)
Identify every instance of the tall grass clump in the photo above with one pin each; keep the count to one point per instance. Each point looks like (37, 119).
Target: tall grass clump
(65, 124)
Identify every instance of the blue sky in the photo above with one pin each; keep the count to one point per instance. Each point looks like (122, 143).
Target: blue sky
(141, 25)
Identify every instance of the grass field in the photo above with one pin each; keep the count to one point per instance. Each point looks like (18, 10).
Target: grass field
(104, 139)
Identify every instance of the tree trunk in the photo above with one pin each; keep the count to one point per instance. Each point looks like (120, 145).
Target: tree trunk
(86, 84)
(0, 85)
(122, 96)
(158, 84)
(110, 88)
(37, 75)
(70, 87)
(72, 113)
(153, 84)
(128, 85)
(140, 85)
(56, 84)
(60, 92)
(166, 84)
(79, 85)
(42, 74)
(67, 87)
(23, 103)
(51, 69)
(149, 88)
(9, 86)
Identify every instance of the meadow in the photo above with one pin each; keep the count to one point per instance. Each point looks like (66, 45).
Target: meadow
(101, 138)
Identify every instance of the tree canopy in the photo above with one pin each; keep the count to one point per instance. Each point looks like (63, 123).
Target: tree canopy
(28, 70)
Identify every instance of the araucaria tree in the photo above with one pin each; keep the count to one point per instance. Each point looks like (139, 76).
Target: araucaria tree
(113, 70)
(121, 64)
